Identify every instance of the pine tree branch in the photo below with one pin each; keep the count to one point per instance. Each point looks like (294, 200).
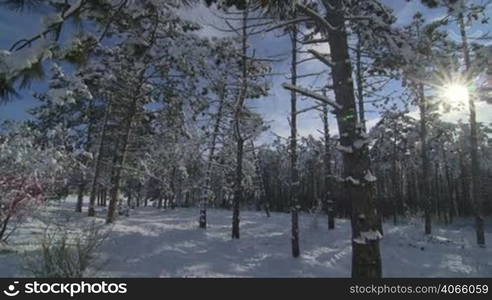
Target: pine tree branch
(311, 94)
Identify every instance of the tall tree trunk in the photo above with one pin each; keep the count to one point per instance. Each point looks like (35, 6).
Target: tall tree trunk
(449, 186)
(172, 194)
(366, 258)
(3, 225)
(119, 161)
(425, 159)
(360, 81)
(259, 183)
(329, 201)
(80, 196)
(205, 197)
(465, 194)
(475, 168)
(238, 185)
(87, 147)
(238, 189)
(98, 163)
(394, 177)
(294, 174)
(436, 193)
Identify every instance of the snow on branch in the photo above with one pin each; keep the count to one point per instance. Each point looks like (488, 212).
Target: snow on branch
(315, 41)
(321, 57)
(311, 94)
(366, 236)
(308, 109)
(352, 180)
(287, 23)
(13, 63)
(316, 17)
(73, 8)
(345, 149)
(51, 25)
(361, 142)
(369, 177)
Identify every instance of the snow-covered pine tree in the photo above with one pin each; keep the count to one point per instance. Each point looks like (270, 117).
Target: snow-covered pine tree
(464, 13)
(69, 105)
(331, 17)
(32, 172)
(429, 46)
(250, 83)
(224, 67)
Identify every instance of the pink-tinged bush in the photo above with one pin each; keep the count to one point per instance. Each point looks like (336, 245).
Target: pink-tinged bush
(19, 194)
(30, 174)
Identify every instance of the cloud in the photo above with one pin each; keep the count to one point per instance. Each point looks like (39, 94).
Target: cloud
(484, 114)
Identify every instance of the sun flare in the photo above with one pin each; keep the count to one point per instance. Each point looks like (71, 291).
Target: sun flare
(456, 93)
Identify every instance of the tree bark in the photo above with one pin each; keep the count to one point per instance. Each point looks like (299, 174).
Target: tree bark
(80, 196)
(294, 174)
(98, 163)
(238, 189)
(425, 159)
(366, 259)
(360, 81)
(329, 201)
(87, 146)
(396, 195)
(205, 197)
(118, 163)
(259, 183)
(238, 185)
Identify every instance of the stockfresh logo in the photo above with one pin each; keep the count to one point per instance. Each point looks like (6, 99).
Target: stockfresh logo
(71, 289)
(11, 290)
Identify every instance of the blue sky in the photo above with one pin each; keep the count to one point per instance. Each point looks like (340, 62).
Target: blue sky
(275, 108)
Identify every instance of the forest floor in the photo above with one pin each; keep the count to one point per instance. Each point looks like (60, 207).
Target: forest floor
(157, 243)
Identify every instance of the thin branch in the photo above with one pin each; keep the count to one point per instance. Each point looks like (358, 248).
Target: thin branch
(314, 107)
(75, 8)
(321, 57)
(311, 94)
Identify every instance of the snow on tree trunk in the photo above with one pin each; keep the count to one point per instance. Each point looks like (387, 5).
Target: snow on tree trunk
(366, 259)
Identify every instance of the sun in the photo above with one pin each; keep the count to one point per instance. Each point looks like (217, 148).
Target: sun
(456, 93)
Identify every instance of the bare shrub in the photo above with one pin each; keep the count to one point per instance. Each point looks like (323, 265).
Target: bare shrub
(66, 253)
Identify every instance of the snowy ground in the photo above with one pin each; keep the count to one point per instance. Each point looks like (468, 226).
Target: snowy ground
(153, 243)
